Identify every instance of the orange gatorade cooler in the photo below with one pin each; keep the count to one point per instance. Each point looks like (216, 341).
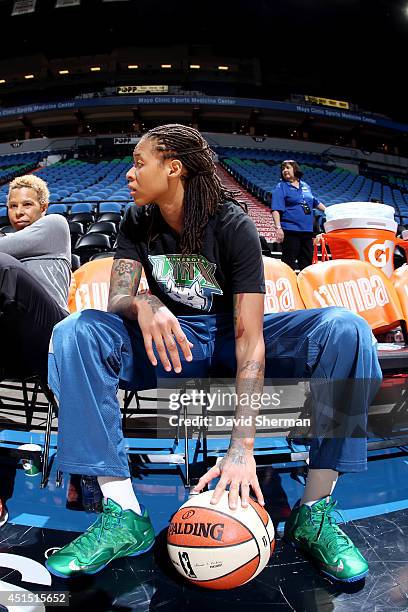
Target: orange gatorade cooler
(363, 230)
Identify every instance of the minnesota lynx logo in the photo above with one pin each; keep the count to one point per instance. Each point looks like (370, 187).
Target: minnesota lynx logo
(188, 279)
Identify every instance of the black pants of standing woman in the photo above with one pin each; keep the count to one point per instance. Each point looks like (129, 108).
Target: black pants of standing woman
(297, 246)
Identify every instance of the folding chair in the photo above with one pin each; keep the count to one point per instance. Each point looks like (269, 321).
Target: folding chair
(31, 387)
(358, 286)
(282, 292)
(365, 290)
(90, 244)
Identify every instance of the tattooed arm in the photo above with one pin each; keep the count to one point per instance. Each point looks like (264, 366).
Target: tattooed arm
(124, 283)
(156, 322)
(238, 469)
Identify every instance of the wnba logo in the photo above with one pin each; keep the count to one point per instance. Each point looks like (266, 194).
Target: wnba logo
(279, 295)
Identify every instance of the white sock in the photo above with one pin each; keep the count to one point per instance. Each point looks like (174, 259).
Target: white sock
(320, 483)
(119, 490)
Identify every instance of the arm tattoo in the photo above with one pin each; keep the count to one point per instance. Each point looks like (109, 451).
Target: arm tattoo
(249, 386)
(238, 322)
(124, 282)
(124, 267)
(152, 300)
(236, 454)
(250, 374)
(253, 366)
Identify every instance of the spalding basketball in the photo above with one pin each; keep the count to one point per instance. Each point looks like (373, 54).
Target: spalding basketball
(218, 548)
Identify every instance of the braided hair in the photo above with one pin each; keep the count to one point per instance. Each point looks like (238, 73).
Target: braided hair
(203, 192)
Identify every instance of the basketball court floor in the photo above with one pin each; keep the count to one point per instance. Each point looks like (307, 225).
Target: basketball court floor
(374, 505)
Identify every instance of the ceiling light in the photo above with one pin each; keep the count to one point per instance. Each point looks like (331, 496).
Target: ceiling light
(133, 66)
(28, 76)
(166, 65)
(2, 80)
(95, 68)
(63, 71)
(223, 67)
(195, 66)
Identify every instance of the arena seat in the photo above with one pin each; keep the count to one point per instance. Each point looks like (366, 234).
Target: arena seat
(104, 227)
(90, 285)
(365, 290)
(400, 281)
(89, 244)
(76, 230)
(282, 293)
(110, 211)
(4, 220)
(358, 286)
(57, 209)
(110, 207)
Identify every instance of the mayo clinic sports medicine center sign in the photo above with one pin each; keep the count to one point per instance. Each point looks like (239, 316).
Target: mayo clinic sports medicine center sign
(170, 100)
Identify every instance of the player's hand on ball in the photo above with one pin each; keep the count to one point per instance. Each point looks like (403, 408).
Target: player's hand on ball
(238, 470)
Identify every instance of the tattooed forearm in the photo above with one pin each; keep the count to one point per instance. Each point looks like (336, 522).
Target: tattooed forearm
(249, 387)
(237, 454)
(152, 300)
(250, 354)
(124, 282)
(124, 267)
(253, 366)
(238, 321)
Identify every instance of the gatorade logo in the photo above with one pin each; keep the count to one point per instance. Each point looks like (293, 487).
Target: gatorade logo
(358, 295)
(279, 296)
(378, 254)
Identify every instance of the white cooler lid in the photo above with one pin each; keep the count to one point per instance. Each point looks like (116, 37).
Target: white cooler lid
(361, 223)
(359, 210)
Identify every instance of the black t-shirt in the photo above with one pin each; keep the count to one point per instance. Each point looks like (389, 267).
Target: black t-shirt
(230, 260)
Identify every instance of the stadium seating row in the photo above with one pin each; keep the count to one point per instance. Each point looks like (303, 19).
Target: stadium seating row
(330, 186)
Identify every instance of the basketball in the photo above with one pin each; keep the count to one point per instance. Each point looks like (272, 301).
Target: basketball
(216, 547)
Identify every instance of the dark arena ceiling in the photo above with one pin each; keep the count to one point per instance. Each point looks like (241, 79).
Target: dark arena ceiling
(344, 49)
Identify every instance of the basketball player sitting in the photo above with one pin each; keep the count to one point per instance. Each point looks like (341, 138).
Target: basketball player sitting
(202, 258)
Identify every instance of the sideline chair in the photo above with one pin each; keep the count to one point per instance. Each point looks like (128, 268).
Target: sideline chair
(356, 285)
(282, 292)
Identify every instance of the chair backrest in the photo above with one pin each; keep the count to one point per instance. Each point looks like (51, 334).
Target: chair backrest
(400, 281)
(356, 285)
(57, 209)
(90, 285)
(81, 208)
(102, 227)
(282, 293)
(110, 207)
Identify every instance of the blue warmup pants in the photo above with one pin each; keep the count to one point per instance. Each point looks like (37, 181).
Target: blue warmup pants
(92, 351)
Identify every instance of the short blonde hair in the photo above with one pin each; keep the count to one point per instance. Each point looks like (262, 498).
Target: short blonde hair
(31, 182)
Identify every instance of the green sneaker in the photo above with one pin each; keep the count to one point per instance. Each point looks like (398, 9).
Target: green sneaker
(313, 530)
(116, 533)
